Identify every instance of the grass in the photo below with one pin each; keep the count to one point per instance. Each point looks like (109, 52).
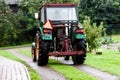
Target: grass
(68, 71)
(109, 61)
(33, 74)
(26, 52)
(16, 46)
(116, 38)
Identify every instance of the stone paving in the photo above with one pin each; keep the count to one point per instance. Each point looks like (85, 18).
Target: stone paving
(12, 70)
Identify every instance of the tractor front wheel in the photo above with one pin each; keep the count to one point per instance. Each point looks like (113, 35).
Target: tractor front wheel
(33, 53)
(43, 54)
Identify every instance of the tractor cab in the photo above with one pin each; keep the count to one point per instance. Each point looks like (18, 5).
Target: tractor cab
(59, 13)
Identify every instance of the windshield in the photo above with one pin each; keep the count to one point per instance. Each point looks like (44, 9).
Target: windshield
(59, 13)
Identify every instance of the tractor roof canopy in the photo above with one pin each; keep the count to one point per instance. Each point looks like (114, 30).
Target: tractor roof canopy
(59, 12)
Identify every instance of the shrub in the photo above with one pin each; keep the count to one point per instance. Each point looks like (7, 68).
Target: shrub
(93, 33)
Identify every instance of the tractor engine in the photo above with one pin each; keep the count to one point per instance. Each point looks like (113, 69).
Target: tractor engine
(60, 39)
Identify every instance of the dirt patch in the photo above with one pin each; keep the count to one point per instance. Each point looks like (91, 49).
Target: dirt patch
(44, 72)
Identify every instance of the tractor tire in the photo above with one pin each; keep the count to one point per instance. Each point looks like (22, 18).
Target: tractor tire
(43, 54)
(79, 59)
(34, 54)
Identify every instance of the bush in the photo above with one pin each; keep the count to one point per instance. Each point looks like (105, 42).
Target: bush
(93, 33)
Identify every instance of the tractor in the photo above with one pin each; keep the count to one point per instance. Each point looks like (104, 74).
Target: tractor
(59, 33)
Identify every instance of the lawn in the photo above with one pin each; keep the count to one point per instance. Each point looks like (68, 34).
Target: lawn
(116, 38)
(33, 74)
(109, 61)
(16, 46)
(26, 52)
(68, 71)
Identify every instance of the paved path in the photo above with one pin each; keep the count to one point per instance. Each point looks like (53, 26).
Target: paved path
(12, 70)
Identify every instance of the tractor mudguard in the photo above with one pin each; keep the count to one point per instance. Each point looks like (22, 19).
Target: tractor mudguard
(80, 36)
(46, 27)
(46, 37)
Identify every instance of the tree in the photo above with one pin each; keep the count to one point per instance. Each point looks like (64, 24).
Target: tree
(28, 8)
(8, 25)
(107, 11)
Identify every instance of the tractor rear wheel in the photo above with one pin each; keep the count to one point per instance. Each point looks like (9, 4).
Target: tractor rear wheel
(33, 54)
(79, 46)
(78, 59)
(66, 58)
(43, 54)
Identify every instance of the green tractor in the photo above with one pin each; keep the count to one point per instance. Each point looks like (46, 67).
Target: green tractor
(59, 34)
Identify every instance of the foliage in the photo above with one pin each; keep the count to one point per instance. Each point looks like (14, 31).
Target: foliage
(28, 8)
(16, 28)
(107, 11)
(93, 33)
(8, 25)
